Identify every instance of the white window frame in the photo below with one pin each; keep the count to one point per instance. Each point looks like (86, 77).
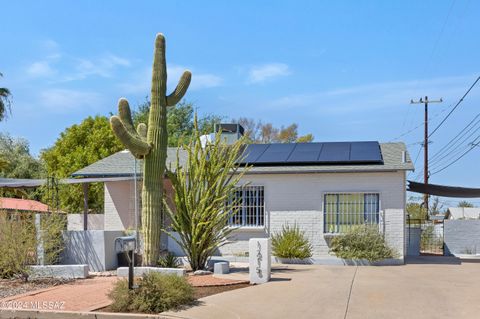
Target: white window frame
(340, 192)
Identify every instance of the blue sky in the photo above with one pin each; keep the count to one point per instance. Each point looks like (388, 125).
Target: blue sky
(342, 70)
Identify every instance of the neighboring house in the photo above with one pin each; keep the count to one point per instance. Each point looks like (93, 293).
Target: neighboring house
(323, 187)
(463, 213)
(22, 205)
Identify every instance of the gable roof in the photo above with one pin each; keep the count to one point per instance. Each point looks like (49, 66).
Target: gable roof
(122, 164)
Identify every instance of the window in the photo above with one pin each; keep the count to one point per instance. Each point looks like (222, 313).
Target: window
(251, 207)
(344, 210)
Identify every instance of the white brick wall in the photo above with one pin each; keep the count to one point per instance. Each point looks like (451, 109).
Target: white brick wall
(298, 198)
(94, 222)
(119, 208)
(289, 198)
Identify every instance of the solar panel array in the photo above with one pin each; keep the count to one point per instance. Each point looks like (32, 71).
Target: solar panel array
(313, 153)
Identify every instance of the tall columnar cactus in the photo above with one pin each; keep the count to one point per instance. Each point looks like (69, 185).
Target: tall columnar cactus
(151, 145)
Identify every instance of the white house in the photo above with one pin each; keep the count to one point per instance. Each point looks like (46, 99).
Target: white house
(323, 187)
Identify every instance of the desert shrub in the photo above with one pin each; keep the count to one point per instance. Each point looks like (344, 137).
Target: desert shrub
(291, 242)
(17, 245)
(19, 240)
(361, 242)
(430, 241)
(155, 293)
(52, 226)
(168, 261)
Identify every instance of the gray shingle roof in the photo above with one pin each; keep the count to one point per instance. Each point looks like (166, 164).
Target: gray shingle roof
(121, 164)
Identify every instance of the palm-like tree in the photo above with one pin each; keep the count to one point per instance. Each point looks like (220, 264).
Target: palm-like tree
(4, 101)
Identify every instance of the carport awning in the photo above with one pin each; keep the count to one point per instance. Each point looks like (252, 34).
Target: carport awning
(442, 190)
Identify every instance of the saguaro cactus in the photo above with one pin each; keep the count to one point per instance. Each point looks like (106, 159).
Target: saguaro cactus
(151, 145)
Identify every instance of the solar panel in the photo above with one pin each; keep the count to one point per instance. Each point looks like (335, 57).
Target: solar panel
(329, 153)
(276, 153)
(305, 153)
(253, 152)
(365, 151)
(335, 152)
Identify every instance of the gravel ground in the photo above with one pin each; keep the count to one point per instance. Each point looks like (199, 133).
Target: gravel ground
(11, 287)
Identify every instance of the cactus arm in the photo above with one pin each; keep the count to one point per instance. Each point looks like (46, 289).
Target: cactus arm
(142, 131)
(126, 116)
(135, 144)
(180, 90)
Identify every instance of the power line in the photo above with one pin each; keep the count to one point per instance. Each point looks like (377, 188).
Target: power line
(473, 145)
(458, 103)
(457, 137)
(455, 150)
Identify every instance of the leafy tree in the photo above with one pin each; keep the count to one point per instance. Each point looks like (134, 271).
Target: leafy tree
(179, 121)
(416, 211)
(4, 101)
(258, 132)
(204, 197)
(464, 203)
(16, 160)
(78, 146)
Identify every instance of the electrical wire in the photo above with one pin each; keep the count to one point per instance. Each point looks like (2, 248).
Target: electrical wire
(454, 108)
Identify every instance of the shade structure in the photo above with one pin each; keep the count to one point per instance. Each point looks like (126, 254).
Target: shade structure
(444, 191)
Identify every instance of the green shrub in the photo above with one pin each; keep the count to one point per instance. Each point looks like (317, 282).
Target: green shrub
(168, 261)
(155, 293)
(291, 243)
(361, 242)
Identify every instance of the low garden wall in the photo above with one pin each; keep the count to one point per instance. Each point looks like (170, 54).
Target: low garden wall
(462, 237)
(94, 248)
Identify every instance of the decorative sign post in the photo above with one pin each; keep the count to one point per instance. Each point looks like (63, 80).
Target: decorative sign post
(260, 251)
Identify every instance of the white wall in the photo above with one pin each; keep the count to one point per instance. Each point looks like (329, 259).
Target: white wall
(94, 222)
(119, 208)
(298, 198)
(288, 198)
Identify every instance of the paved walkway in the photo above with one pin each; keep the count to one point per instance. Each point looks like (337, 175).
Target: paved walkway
(81, 295)
(410, 291)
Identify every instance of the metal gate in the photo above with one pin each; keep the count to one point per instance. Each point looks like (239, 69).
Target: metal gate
(431, 235)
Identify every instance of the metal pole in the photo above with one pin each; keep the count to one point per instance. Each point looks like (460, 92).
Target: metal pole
(136, 208)
(85, 206)
(425, 155)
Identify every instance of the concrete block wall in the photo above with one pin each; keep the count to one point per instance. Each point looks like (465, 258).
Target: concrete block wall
(462, 236)
(395, 229)
(75, 222)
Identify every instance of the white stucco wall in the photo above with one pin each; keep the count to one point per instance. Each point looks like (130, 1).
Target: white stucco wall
(289, 198)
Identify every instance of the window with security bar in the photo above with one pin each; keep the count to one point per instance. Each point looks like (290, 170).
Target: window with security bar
(251, 207)
(344, 210)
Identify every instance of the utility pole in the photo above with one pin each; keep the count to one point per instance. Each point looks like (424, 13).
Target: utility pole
(426, 174)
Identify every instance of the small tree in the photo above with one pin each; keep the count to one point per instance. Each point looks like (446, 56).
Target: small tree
(204, 197)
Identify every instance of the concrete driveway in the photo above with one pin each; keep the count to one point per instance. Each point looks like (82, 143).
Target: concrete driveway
(448, 289)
